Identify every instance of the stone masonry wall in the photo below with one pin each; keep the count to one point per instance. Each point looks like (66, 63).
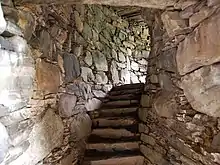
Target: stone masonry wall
(57, 61)
(180, 108)
(29, 125)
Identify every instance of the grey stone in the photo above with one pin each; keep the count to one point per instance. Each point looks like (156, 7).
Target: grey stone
(142, 79)
(88, 59)
(78, 51)
(12, 29)
(145, 101)
(87, 31)
(125, 76)
(216, 142)
(129, 44)
(134, 78)
(95, 35)
(121, 57)
(19, 44)
(71, 67)
(154, 79)
(122, 35)
(101, 78)
(78, 21)
(80, 127)
(3, 110)
(3, 23)
(148, 139)
(114, 55)
(17, 81)
(143, 62)
(121, 65)
(167, 60)
(129, 52)
(45, 136)
(19, 132)
(87, 74)
(5, 44)
(4, 142)
(100, 61)
(134, 66)
(166, 105)
(165, 81)
(201, 89)
(99, 93)
(93, 104)
(114, 72)
(67, 103)
(154, 156)
(80, 89)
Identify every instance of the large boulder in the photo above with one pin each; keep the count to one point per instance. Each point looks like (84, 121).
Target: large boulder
(202, 89)
(201, 47)
(45, 136)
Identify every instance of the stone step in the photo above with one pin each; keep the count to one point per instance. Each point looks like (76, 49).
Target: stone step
(131, 111)
(114, 122)
(113, 147)
(120, 103)
(122, 97)
(110, 133)
(125, 91)
(131, 160)
(128, 86)
(98, 139)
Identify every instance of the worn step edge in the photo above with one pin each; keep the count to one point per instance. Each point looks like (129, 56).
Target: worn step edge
(113, 112)
(114, 121)
(112, 147)
(131, 160)
(128, 86)
(113, 133)
(98, 139)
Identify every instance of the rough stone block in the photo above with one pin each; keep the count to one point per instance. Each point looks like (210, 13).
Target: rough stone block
(200, 47)
(173, 23)
(45, 136)
(202, 89)
(67, 103)
(154, 156)
(47, 76)
(166, 105)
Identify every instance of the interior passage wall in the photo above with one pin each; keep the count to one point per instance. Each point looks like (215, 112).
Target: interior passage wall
(180, 109)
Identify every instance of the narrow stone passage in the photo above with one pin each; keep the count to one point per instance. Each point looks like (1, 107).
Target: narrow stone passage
(115, 139)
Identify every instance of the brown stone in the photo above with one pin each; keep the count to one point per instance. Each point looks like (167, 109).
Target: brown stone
(148, 139)
(166, 105)
(201, 47)
(202, 89)
(47, 76)
(173, 23)
(154, 156)
(183, 4)
(200, 16)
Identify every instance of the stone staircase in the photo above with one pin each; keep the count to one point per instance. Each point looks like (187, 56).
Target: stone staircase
(115, 138)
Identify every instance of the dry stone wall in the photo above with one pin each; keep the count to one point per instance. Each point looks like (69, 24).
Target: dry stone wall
(179, 110)
(56, 62)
